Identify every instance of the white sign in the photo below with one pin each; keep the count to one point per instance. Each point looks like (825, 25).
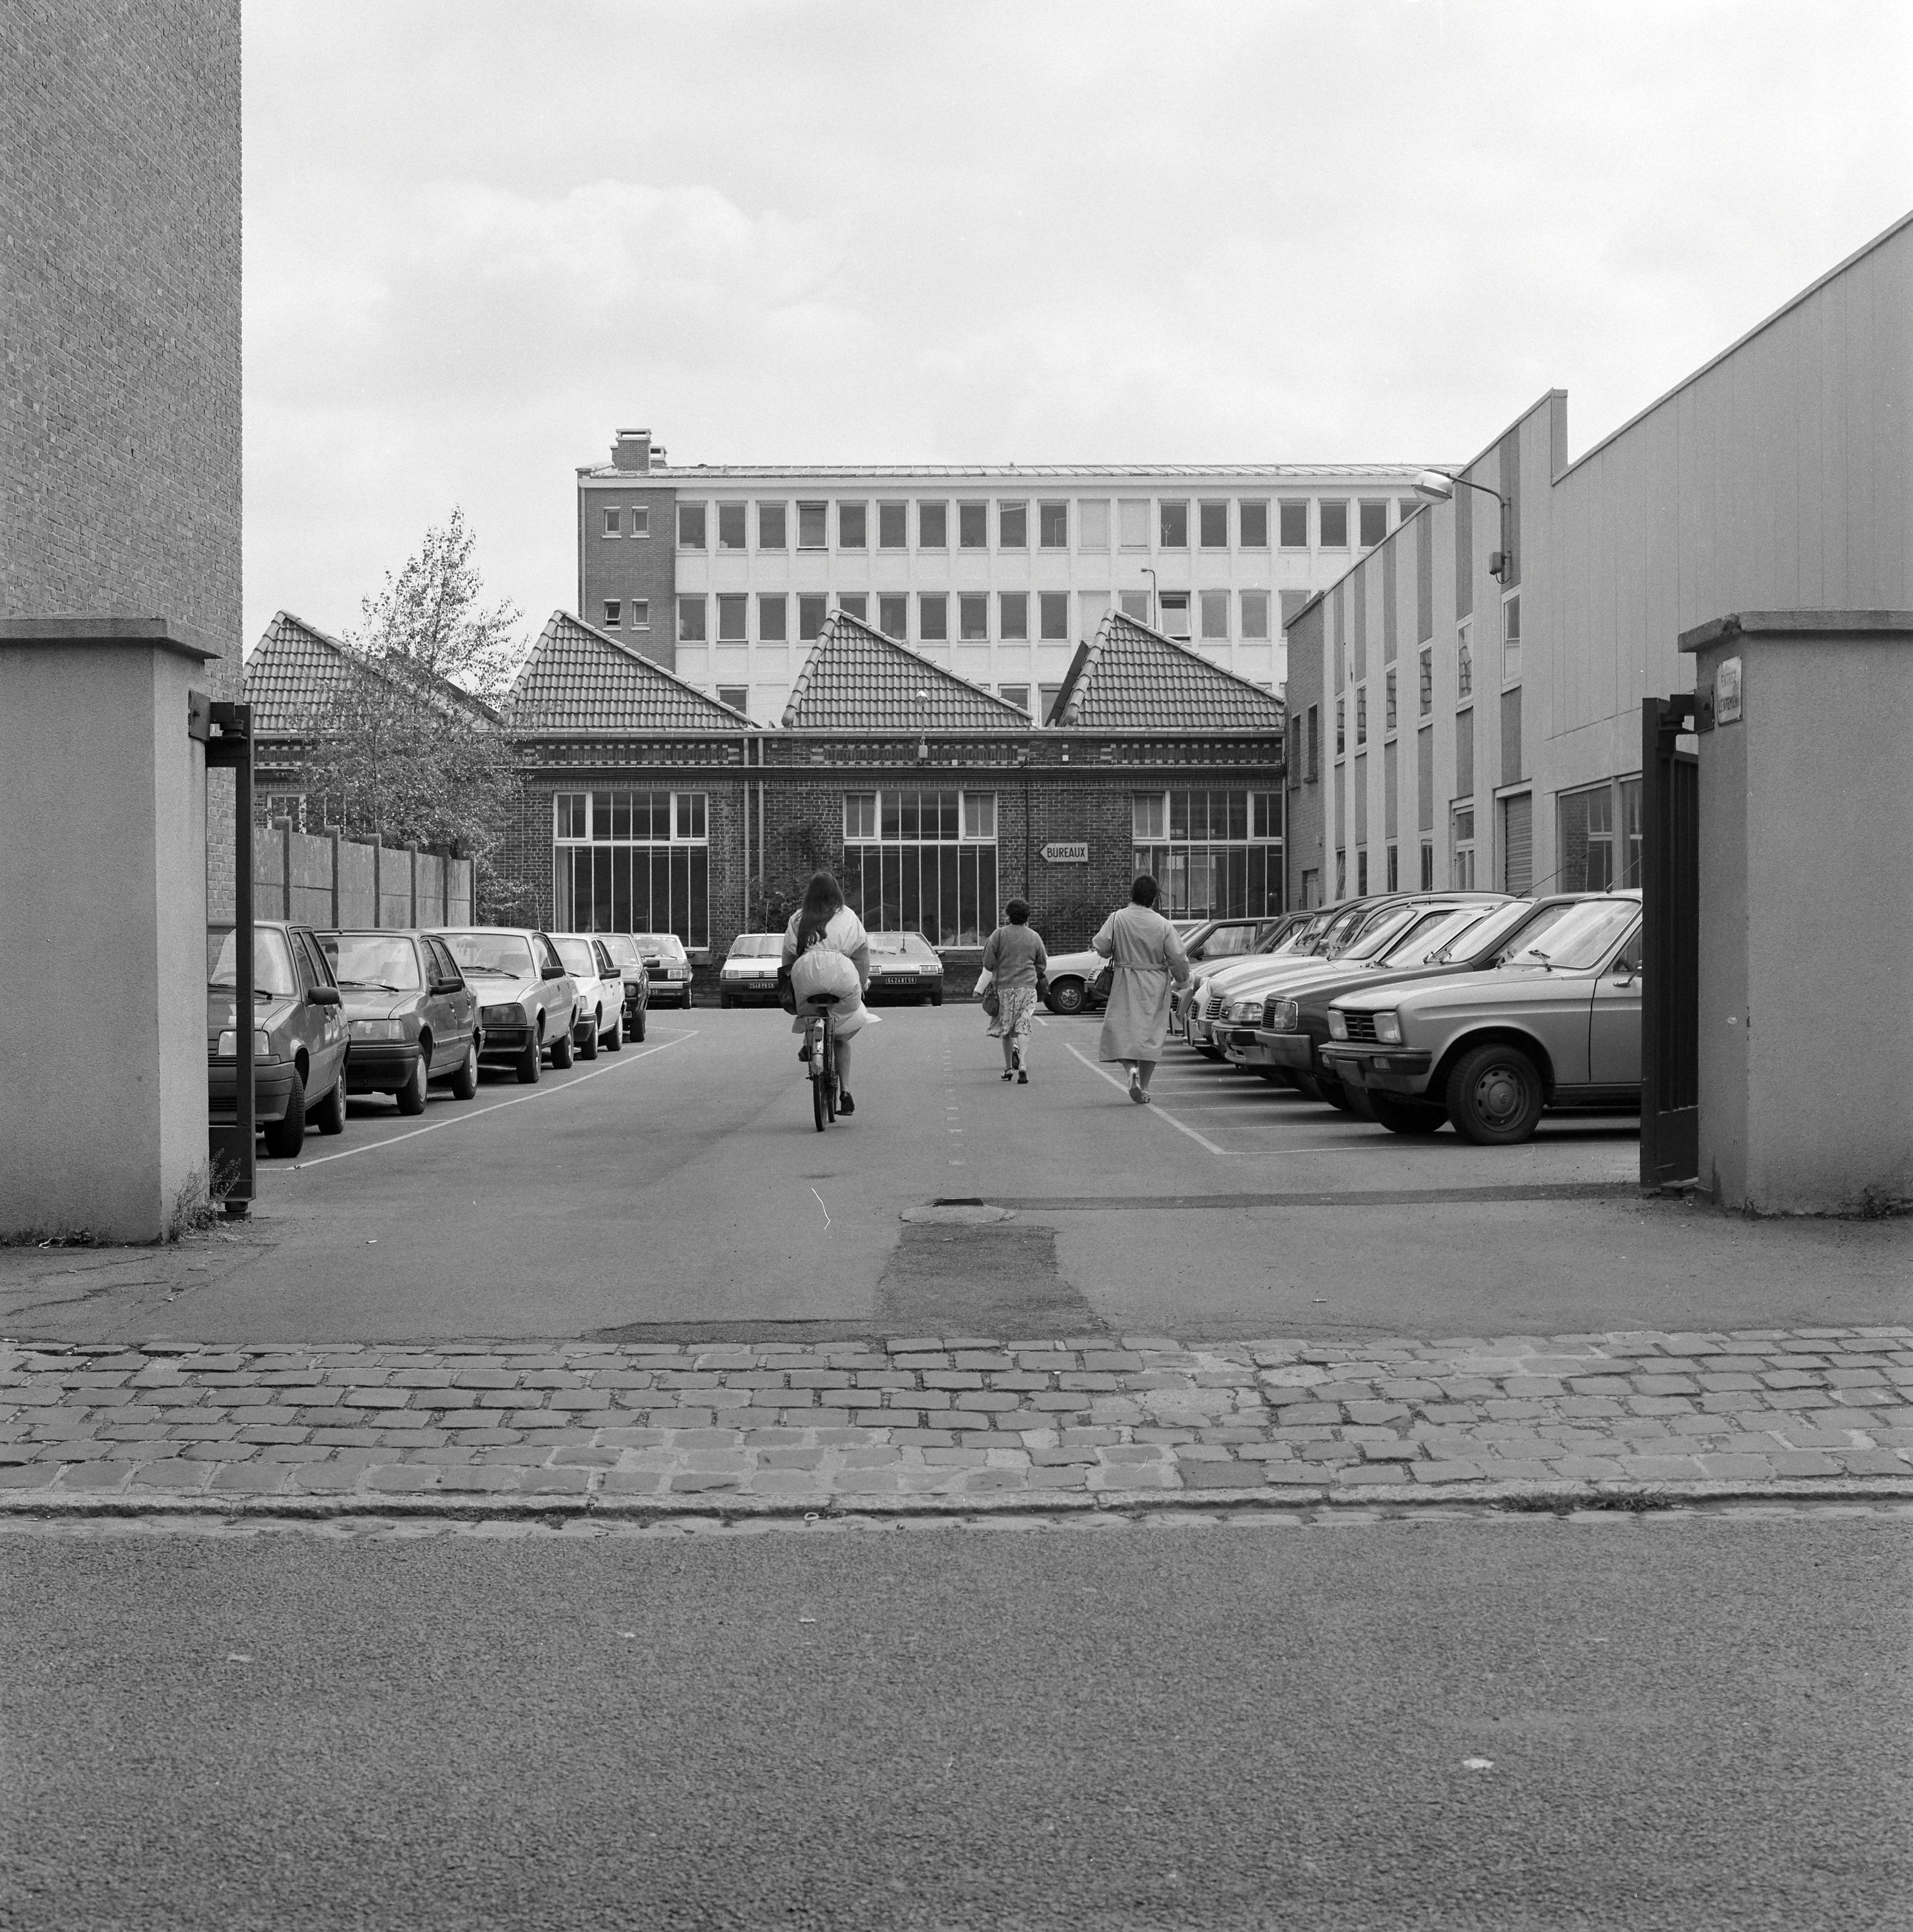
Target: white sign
(1727, 692)
(1068, 855)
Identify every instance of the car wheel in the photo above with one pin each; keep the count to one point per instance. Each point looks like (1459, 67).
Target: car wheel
(936, 996)
(411, 1097)
(530, 1070)
(328, 1117)
(587, 1046)
(563, 1053)
(725, 1000)
(1211, 1052)
(1335, 1093)
(1494, 1096)
(464, 1082)
(284, 1138)
(638, 1027)
(1308, 1086)
(1407, 1117)
(1068, 996)
(615, 1039)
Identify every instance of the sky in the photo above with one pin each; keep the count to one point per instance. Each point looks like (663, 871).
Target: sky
(481, 237)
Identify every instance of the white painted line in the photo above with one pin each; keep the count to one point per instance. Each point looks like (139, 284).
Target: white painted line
(1154, 1107)
(459, 1119)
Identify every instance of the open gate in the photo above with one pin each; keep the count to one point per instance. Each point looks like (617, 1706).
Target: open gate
(1670, 934)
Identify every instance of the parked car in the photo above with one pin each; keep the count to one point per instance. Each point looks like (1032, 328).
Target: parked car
(600, 1014)
(1558, 1025)
(300, 1041)
(526, 1000)
(905, 964)
(1072, 975)
(413, 1018)
(669, 967)
(749, 971)
(1292, 933)
(1283, 1041)
(622, 947)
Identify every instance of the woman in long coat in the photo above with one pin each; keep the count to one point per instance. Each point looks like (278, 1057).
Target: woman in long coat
(1148, 959)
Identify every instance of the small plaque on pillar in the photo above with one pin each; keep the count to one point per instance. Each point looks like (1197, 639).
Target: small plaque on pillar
(1727, 692)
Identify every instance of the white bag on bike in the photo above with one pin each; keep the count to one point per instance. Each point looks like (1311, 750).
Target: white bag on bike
(824, 973)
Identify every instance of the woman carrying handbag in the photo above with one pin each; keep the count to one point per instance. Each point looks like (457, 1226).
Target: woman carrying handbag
(1014, 957)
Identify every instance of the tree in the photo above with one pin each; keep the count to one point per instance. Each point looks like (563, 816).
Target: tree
(408, 746)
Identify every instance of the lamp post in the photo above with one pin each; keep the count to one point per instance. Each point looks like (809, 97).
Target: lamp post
(1437, 486)
(922, 741)
(1152, 576)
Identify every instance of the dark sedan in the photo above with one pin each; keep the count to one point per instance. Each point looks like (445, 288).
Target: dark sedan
(300, 1042)
(413, 1018)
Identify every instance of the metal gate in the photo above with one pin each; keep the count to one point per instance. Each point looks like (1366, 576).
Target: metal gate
(1670, 936)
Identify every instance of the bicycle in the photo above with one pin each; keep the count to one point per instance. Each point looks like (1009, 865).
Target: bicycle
(821, 1041)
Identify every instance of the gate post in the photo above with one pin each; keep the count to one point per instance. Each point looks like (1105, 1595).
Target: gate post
(1670, 946)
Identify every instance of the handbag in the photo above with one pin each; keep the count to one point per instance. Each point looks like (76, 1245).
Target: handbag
(1103, 983)
(992, 1005)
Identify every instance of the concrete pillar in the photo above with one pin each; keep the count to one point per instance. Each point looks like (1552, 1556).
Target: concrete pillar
(1805, 909)
(103, 913)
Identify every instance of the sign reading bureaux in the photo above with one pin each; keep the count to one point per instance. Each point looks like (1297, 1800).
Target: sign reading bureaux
(1066, 854)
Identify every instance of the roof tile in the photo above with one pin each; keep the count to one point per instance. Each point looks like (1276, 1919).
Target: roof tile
(1129, 677)
(577, 679)
(856, 679)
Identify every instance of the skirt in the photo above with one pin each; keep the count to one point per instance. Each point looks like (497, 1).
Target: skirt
(1015, 1008)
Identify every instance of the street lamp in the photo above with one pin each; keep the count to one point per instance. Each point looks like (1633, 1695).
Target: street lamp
(1152, 576)
(1437, 486)
(922, 742)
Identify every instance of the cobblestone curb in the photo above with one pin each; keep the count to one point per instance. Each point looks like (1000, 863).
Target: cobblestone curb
(963, 1424)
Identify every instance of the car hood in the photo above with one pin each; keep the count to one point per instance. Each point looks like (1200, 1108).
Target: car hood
(220, 1006)
(1315, 998)
(1527, 987)
(373, 1002)
(1274, 978)
(1224, 976)
(755, 965)
(902, 962)
(1088, 964)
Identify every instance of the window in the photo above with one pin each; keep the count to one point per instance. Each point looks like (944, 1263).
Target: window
(1295, 526)
(690, 620)
(1333, 520)
(1252, 525)
(1012, 615)
(737, 696)
(933, 525)
(853, 604)
(1362, 874)
(613, 523)
(973, 525)
(632, 862)
(1405, 507)
(1630, 834)
(639, 614)
(1511, 639)
(691, 527)
(1173, 618)
(1388, 686)
(1214, 525)
(893, 616)
(1341, 720)
(733, 626)
(1427, 865)
(813, 527)
(1053, 526)
(1342, 874)
(1461, 850)
(811, 612)
(1255, 614)
(1464, 661)
(922, 861)
(1426, 668)
(771, 521)
(1133, 523)
(1046, 695)
(1172, 526)
(1313, 770)
(773, 618)
(973, 617)
(1013, 526)
(1215, 854)
(1518, 843)
(933, 617)
(1311, 888)
(640, 520)
(1586, 820)
(1092, 524)
(733, 526)
(1134, 603)
(1215, 614)
(1361, 714)
(613, 614)
(1394, 871)
(1017, 695)
(1053, 616)
(853, 525)
(893, 527)
(1374, 524)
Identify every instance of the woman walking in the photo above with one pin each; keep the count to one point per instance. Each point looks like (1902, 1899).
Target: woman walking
(1013, 955)
(827, 954)
(1148, 957)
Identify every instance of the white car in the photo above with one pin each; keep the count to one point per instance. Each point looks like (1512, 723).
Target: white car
(599, 1017)
(749, 971)
(668, 968)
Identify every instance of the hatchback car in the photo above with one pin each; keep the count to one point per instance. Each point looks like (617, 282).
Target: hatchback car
(749, 971)
(300, 1042)
(413, 1017)
(669, 967)
(622, 947)
(600, 1017)
(905, 965)
(527, 1002)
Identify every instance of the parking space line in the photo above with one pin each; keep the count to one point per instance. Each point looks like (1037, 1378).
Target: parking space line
(457, 1120)
(1156, 1108)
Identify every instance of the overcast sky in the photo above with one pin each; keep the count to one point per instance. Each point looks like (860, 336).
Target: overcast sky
(482, 236)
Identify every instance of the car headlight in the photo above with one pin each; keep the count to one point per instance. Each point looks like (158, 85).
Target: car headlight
(680, 972)
(1388, 1029)
(1337, 1026)
(228, 1047)
(510, 1016)
(377, 1029)
(1282, 1016)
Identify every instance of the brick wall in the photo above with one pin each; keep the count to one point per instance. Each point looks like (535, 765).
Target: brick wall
(629, 568)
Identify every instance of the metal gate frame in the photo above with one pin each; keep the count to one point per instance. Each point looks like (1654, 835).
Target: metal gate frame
(1670, 944)
(225, 729)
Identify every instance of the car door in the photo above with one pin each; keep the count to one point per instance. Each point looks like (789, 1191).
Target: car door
(458, 1003)
(558, 995)
(1614, 1020)
(328, 1031)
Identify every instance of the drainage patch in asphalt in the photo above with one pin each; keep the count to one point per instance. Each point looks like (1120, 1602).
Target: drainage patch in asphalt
(969, 1276)
(1396, 1197)
(957, 1214)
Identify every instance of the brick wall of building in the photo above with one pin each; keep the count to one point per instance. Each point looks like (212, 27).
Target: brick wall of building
(631, 569)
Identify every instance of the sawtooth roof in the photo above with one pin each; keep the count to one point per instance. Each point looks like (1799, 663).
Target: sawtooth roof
(1130, 678)
(577, 680)
(856, 679)
(296, 669)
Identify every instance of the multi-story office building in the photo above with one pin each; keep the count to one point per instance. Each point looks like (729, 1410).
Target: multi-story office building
(726, 573)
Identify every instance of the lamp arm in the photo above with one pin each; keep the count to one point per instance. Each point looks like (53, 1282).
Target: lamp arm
(1507, 544)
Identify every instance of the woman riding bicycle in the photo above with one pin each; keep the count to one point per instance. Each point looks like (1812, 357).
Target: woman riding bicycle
(827, 954)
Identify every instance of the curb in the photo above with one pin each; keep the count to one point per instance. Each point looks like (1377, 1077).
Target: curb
(1511, 1498)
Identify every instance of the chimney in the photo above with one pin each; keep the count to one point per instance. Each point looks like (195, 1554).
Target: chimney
(633, 450)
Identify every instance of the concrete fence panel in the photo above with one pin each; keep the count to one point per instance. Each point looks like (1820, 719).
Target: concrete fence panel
(309, 879)
(358, 895)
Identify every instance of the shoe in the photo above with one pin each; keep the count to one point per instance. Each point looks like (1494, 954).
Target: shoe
(1022, 1079)
(845, 1105)
(1007, 1075)
(1136, 1092)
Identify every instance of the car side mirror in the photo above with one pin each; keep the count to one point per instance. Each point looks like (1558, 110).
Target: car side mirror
(554, 972)
(324, 996)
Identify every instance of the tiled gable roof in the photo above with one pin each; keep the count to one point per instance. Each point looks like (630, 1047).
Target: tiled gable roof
(577, 679)
(1129, 677)
(856, 679)
(296, 669)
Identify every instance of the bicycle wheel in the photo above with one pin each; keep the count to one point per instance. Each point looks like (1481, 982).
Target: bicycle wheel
(829, 1068)
(819, 1077)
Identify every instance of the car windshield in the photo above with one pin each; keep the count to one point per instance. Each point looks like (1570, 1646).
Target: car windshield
(757, 946)
(1578, 940)
(577, 954)
(371, 959)
(1432, 934)
(914, 943)
(1332, 940)
(501, 955)
(1227, 941)
(666, 945)
(1491, 924)
(1372, 937)
(622, 947)
(272, 964)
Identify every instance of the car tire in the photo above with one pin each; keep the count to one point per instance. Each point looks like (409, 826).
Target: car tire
(1068, 996)
(936, 996)
(328, 1117)
(464, 1082)
(725, 1000)
(1407, 1117)
(638, 1027)
(587, 1047)
(1308, 1086)
(1276, 1076)
(529, 1065)
(411, 1097)
(615, 1039)
(1335, 1094)
(563, 1053)
(1495, 1096)
(1211, 1052)
(285, 1137)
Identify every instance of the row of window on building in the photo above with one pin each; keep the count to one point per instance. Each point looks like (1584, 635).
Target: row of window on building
(1081, 523)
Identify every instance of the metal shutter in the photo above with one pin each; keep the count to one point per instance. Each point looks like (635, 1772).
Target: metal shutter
(1518, 843)
(1425, 778)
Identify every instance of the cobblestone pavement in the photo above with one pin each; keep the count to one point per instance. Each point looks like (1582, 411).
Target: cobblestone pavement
(962, 1423)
